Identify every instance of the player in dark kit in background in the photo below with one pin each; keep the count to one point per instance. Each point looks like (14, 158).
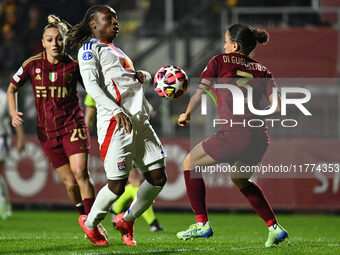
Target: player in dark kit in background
(60, 120)
(235, 144)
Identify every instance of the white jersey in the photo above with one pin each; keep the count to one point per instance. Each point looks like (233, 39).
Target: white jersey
(108, 76)
(5, 128)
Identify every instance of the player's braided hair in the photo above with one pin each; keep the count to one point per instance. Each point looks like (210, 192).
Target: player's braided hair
(82, 31)
(247, 37)
(54, 22)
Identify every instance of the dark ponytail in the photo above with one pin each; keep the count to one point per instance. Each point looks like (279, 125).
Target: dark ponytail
(247, 37)
(260, 35)
(81, 32)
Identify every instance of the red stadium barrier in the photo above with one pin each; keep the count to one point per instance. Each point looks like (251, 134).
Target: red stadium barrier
(31, 180)
(299, 53)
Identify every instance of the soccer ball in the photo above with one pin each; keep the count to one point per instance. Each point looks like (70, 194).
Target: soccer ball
(170, 82)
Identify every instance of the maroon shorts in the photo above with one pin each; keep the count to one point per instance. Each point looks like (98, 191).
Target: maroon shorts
(231, 146)
(59, 149)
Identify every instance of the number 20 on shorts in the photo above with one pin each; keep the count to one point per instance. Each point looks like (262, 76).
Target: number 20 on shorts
(78, 133)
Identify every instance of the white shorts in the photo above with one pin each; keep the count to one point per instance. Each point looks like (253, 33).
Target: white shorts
(142, 146)
(5, 143)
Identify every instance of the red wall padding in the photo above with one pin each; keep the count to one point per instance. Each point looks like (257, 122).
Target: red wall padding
(32, 180)
(300, 52)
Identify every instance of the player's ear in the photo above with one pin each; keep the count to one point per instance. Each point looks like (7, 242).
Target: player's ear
(93, 24)
(43, 43)
(235, 46)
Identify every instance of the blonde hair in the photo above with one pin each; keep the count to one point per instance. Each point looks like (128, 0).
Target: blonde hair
(55, 22)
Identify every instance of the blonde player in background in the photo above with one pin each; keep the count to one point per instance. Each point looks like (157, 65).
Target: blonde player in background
(5, 143)
(61, 127)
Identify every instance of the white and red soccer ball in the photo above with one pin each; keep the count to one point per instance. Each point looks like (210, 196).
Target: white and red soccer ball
(170, 82)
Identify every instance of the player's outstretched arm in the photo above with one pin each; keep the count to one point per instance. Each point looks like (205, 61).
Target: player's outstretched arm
(12, 105)
(195, 100)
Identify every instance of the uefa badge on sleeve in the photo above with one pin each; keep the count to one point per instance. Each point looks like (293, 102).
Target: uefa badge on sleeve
(121, 166)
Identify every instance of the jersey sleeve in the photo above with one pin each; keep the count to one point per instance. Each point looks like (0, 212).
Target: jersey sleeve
(210, 71)
(89, 63)
(22, 75)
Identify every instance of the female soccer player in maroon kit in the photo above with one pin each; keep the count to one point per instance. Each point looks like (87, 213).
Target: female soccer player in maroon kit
(60, 120)
(236, 144)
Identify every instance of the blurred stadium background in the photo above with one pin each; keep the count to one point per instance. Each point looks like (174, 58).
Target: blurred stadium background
(303, 51)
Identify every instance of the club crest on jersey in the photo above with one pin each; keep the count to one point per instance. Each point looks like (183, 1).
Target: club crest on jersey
(87, 55)
(53, 76)
(121, 166)
(37, 70)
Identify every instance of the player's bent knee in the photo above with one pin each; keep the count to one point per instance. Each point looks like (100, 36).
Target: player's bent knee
(81, 174)
(240, 182)
(117, 186)
(160, 181)
(156, 177)
(156, 174)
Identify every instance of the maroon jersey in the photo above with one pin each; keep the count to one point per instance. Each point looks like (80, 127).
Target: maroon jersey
(56, 97)
(241, 71)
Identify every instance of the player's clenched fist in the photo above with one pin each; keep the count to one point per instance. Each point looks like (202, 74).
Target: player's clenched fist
(183, 120)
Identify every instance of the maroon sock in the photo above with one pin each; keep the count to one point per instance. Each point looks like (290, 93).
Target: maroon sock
(88, 202)
(258, 201)
(196, 195)
(80, 208)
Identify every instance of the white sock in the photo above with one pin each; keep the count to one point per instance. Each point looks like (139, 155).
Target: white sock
(101, 206)
(145, 196)
(202, 224)
(272, 228)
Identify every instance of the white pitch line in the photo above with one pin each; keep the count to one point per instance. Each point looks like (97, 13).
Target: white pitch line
(198, 250)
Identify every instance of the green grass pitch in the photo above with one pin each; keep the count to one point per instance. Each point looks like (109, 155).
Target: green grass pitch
(49, 232)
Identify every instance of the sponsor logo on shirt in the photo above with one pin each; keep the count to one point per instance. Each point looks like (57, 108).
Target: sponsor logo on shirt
(52, 91)
(87, 55)
(121, 166)
(52, 76)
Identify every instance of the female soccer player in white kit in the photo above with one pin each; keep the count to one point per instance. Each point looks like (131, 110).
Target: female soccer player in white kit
(118, 91)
